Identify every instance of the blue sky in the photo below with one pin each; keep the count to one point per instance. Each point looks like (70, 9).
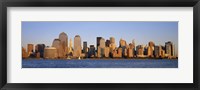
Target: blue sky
(141, 32)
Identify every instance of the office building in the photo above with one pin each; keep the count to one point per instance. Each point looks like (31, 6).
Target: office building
(84, 47)
(112, 44)
(140, 50)
(24, 53)
(77, 46)
(169, 49)
(50, 53)
(30, 49)
(107, 52)
(129, 52)
(122, 43)
(57, 44)
(91, 52)
(107, 43)
(98, 41)
(40, 49)
(64, 43)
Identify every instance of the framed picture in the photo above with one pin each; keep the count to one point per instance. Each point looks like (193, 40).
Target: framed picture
(93, 44)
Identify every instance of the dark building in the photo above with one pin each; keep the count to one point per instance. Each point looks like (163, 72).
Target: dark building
(107, 43)
(169, 48)
(98, 41)
(85, 47)
(91, 52)
(40, 49)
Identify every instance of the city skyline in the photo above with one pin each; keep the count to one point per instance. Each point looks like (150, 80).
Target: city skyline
(141, 32)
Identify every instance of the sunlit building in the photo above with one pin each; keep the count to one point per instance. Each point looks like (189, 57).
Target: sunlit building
(57, 44)
(122, 43)
(107, 52)
(70, 50)
(117, 53)
(64, 43)
(50, 53)
(150, 49)
(130, 53)
(24, 53)
(101, 48)
(132, 46)
(30, 49)
(77, 46)
(140, 50)
(112, 43)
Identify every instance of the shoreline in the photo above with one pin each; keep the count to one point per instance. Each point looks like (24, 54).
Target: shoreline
(101, 59)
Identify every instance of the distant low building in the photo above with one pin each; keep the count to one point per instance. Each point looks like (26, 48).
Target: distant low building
(50, 53)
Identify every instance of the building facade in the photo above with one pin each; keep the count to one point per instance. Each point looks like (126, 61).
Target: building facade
(64, 43)
(77, 46)
(50, 53)
(57, 44)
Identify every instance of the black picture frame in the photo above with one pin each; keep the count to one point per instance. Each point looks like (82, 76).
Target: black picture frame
(98, 3)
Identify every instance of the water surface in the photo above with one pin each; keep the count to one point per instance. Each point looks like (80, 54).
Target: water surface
(153, 63)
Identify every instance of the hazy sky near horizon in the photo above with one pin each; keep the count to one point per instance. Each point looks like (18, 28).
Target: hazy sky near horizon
(141, 32)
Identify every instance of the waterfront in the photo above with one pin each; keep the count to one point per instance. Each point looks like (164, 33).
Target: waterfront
(93, 63)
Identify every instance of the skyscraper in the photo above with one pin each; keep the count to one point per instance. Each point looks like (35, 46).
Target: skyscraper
(133, 42)
(107, 51)
(157, 51)
(64, 43)
(91, 51)
(107, 43)
(130, 53)
(24, 53)
(98, 41)
(102, 43)
(70, 50)
(57, 44)
(140, 50)
(40, 49)
(84, 47)
(101, 48)
(77, 46)
(173, 50)
(122, 43)
(150, 49)
(169, 48)
(112, 43)
(30, 49)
